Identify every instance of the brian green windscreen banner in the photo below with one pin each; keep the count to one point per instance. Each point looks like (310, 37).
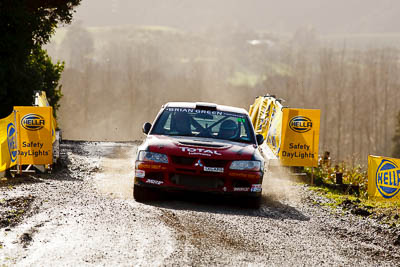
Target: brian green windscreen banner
(383, 178)
(34, 135)
(300, 137)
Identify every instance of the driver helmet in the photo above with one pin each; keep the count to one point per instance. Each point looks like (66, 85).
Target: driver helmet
(228, 129)
(182, 123)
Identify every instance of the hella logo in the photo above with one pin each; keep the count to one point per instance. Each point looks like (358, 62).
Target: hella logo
(387, 178)
(300, 124)
(32, 122)
(12, 142)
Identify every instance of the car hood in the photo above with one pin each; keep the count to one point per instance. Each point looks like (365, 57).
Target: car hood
(199, 147)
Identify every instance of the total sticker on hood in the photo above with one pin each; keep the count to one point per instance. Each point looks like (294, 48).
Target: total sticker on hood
(200, 151)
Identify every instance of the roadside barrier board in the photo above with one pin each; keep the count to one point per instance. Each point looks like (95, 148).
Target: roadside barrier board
(300, 137)
(8, 143)
(41, 101)
(383, 178)
(291, 135)
(34, 130)
(274, 135)
(266, 116)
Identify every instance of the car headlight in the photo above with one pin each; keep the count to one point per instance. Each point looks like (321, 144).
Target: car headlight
(152, 156)
(246, 165)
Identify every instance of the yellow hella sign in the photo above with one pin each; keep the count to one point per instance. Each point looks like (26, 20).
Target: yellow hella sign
(383, 178)
(300, 137)
(35, 144)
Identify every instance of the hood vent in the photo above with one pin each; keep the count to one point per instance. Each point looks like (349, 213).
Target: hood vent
(197, 143)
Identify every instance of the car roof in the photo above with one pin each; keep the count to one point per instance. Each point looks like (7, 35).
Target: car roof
(205, 105)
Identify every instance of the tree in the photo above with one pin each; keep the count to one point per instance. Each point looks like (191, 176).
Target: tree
(396, 138)
(25, 26)
(77, 46)
(44, 75)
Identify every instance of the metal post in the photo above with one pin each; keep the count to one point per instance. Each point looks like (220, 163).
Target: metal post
(19, 170)
(312, 160)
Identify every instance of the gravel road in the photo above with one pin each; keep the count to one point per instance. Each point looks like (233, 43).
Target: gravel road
(85, 215)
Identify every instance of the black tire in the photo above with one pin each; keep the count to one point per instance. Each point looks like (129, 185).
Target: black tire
(142, 194)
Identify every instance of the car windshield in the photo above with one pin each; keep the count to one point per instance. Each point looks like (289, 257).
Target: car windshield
(204, 123)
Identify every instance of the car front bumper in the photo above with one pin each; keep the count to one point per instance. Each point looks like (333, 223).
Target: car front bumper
(167, 178)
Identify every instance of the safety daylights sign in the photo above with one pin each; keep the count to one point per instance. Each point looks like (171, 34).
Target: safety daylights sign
(300, 137)
(383, 178)
(34, 135)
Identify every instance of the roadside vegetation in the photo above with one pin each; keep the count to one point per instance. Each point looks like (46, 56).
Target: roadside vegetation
(352, 195)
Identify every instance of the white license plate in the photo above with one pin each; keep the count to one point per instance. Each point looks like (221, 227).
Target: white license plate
(213, 169)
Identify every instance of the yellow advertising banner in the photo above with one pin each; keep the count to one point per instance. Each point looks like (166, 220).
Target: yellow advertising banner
(383, 178)
(254, 110)
(34, 135)
(8, 143)
(274, 136)
(300, 137)
(267, 117)
(42, 102)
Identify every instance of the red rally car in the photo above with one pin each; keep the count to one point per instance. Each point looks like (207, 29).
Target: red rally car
(200, 147)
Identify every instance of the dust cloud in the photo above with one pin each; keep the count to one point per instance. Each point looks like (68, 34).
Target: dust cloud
(279, 184)
(115, 176)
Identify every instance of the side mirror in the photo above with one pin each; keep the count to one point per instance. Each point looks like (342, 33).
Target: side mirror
(260, 139)
(146, 127)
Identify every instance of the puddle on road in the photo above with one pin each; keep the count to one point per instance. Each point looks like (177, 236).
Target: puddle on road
(117, 170)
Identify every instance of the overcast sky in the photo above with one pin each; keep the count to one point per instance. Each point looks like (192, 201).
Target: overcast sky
(326, 16)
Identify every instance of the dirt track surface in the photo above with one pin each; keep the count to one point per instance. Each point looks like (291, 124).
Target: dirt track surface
(85, 215)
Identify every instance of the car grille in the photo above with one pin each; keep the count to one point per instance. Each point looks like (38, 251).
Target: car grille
(197, 181)
(183, 160)
(214, 162)
(191, 161)
(240, 183)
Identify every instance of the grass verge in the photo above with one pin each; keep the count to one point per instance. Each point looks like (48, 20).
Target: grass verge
(353, 201)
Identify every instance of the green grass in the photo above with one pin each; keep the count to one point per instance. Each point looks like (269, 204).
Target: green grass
(352, 175)
(386, 212)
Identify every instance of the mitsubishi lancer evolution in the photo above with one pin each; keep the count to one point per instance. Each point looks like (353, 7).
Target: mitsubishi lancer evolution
(201, 147)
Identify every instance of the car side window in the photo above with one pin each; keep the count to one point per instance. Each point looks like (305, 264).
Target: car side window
(167, 125)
